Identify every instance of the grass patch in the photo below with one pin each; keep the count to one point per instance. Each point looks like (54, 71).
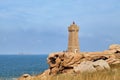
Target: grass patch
(113, 74)
(105, 75)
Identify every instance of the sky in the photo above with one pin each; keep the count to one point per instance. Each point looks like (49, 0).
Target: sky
(41, 26)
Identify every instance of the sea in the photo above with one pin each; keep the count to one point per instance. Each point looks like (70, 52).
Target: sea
(13, 66)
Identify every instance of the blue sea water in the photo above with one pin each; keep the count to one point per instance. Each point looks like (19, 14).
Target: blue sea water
(13, 66)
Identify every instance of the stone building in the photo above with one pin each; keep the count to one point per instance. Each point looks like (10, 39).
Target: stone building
(73, 40)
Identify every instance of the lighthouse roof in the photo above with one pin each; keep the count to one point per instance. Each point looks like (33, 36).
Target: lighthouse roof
(73, 26)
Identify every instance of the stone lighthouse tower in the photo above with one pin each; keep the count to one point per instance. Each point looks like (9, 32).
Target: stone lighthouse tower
(73, 40)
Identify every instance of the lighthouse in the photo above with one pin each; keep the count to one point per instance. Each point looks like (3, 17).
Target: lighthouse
(73, 39)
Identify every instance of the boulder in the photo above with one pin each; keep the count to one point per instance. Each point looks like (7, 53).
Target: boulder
(115, 48)
(25, 77)
(101, 65)
(85, 66)
(117, 56)
(113, 61)
(43, 76)
(61, 62)
(54, 61)
(72, 59)
(89, 66)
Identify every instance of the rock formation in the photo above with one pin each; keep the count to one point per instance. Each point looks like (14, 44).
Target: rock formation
(69, 62)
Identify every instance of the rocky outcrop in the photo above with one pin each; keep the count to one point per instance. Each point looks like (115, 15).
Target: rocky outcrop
(62, 62)
(69, 62)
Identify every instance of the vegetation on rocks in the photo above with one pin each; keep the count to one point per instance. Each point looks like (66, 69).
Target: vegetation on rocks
(113, 74)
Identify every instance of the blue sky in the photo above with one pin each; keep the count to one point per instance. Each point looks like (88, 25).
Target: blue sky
(40, 26)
